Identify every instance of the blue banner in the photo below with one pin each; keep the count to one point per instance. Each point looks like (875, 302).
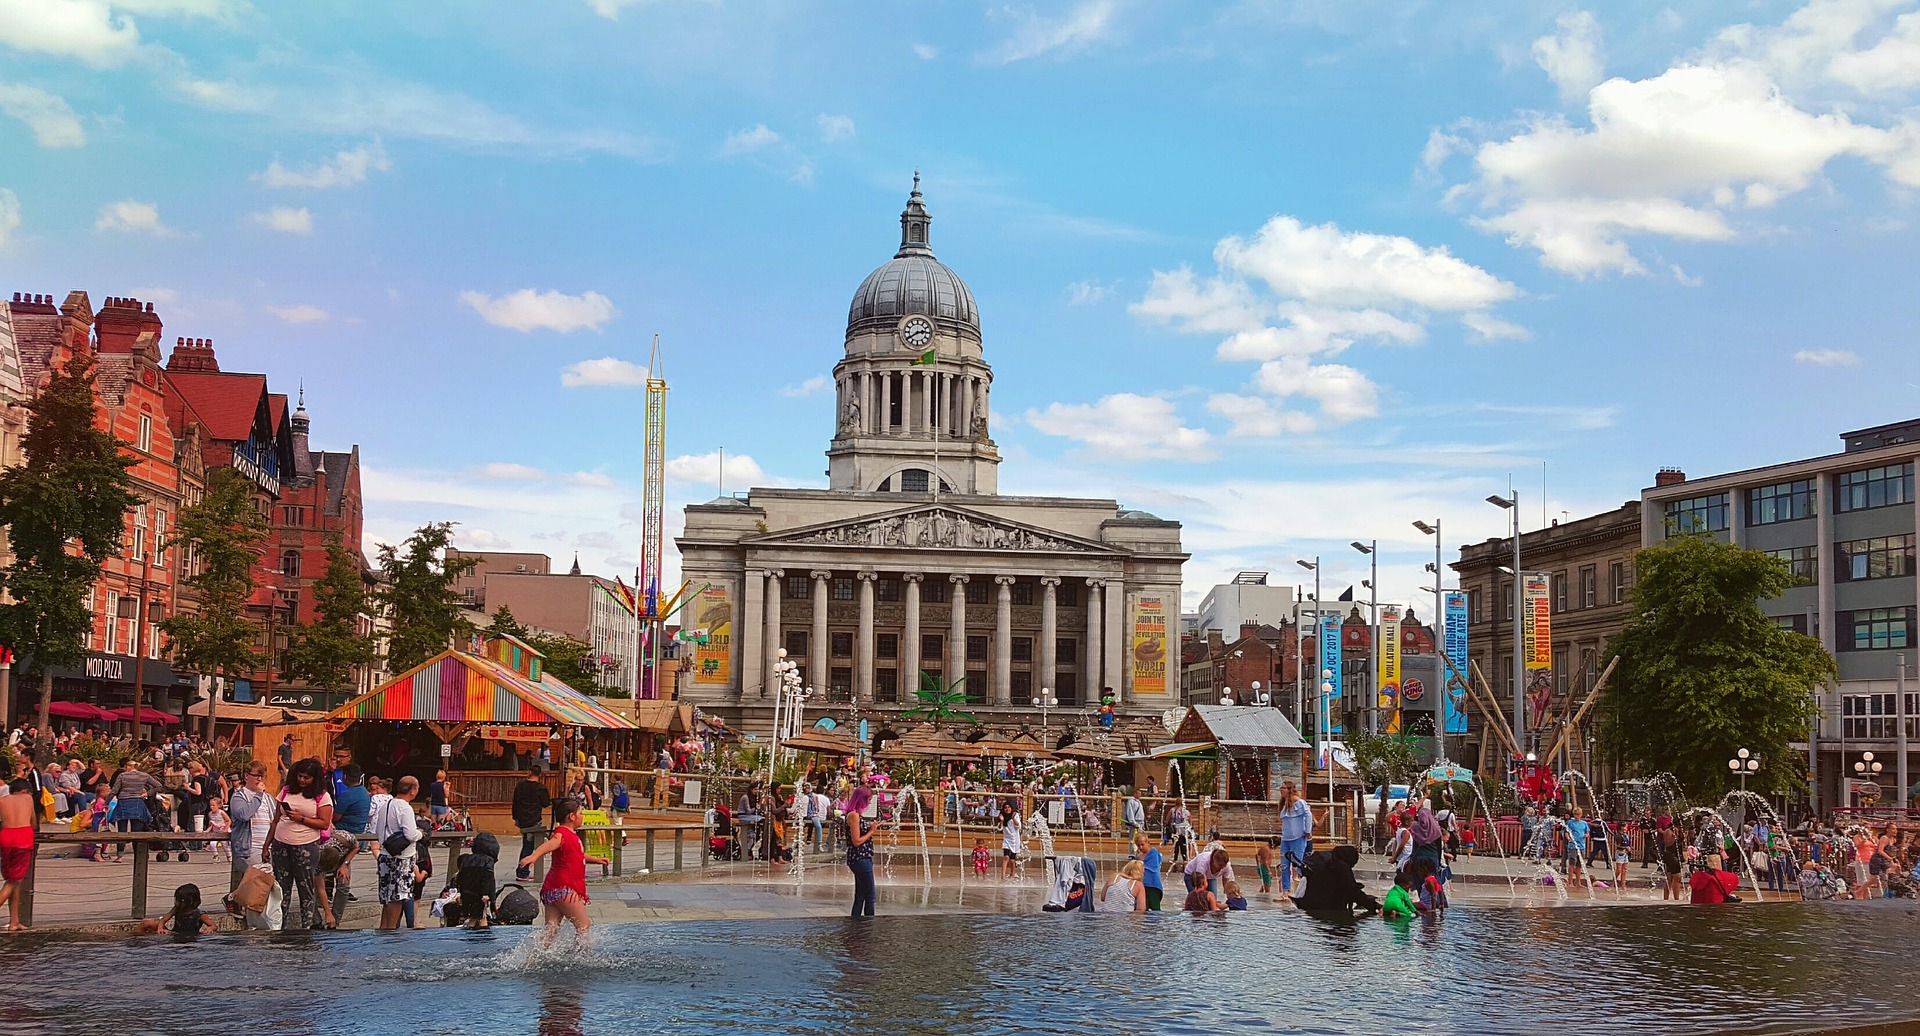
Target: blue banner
(1330, 660)
(1455, 680)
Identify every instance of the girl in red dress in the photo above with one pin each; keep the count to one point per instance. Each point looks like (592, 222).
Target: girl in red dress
(565, 890)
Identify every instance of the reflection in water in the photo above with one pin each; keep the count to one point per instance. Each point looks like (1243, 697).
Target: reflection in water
(1750, 969)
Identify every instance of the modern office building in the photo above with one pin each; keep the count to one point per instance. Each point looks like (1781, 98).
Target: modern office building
(1248, 600)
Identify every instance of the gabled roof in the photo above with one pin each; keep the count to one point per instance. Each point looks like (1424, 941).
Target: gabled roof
(1245, 726)
(227, 404)
(456, 687)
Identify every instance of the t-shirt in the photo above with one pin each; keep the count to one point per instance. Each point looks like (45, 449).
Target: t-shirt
(1577, 834)
(351, 809)
(1296, 821)
(1010, 838)
(295, 805)
(1153, 861)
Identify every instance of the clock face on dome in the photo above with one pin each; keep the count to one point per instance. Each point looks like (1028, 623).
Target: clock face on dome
(917, 332)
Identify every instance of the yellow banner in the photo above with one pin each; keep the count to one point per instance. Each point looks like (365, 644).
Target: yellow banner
(1389, 648)
(713, 612)
(1149, 644)
(596, 843)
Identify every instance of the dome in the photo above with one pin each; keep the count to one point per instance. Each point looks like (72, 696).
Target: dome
(913, 281)
(913, 284)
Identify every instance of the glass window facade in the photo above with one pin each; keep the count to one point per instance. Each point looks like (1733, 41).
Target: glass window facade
(1874, 629)
(1873, 487)
(1867, 717)
(1784, 502)
(1802, 562)
(1697, 514)
(1878, 558)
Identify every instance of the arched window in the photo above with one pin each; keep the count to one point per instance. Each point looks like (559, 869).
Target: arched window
(913, 480)
(290, 563)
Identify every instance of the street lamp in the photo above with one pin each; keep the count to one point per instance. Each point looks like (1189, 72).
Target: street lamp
(1867, 769)
(1261, 697)
(1744, 763)
(1511, 504)
(1314, 567)
(1045, 701)
(1440, 634)
(1370, 549)
(1326, 726)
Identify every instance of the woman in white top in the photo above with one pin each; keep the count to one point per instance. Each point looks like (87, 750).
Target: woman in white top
(1127, 893)
(1010, 844)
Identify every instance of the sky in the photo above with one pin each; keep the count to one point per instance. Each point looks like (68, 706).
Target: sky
(1291, 273)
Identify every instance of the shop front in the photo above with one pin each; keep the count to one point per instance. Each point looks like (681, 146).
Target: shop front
(106, 682)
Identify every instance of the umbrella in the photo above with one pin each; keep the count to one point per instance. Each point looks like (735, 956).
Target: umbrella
(153, 716)
(76, 710)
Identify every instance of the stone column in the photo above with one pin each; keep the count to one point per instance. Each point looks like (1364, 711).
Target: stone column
(1049, 633)
(752, 626)
(863, 642)
(1119, 674)
(886, 404)
(770, 651)
(819, 655)
(964, 412)
(1003, 640)
(957, 630)
(1095, 625)
(910, 651)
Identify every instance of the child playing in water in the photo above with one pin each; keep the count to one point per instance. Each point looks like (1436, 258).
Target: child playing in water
(186, 919)
(1398, 906)
(1263, 859)
(981, 858)
(1621, 857)
(1235, 901)
(565, 890)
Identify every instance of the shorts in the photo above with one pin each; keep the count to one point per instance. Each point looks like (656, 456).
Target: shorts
(396, 878)
(16, 852)
(1009, 853)
(552, 896)
(1266, 876)
(1861, 874)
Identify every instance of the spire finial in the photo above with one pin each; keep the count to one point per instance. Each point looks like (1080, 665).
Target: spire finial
(303, 395)
(913, 224)
(916, 181)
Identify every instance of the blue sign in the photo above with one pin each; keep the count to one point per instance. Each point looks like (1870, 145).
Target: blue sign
(1455, 677)
(1330, 661)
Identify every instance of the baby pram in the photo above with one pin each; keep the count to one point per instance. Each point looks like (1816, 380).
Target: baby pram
(724, 844)
(164, 808)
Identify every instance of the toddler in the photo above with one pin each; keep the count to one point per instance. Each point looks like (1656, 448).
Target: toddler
(220, 825)
(1621, 857)
(1235, 901)
(981, 858)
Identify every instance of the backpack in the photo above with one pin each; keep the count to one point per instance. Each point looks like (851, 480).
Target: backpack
(515, 906)
(621, 800)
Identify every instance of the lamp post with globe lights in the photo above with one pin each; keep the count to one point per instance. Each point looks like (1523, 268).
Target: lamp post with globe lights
(788, 703)
(1744, 764)
(1869, 770)
(1043, 702)
(1326, 730)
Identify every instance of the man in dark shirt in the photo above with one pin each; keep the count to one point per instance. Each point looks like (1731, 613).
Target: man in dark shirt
(530, 802)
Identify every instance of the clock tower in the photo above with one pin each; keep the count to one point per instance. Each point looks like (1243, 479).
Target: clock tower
(913, 390)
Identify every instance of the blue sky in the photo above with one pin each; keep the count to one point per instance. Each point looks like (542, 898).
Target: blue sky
(1290, 273)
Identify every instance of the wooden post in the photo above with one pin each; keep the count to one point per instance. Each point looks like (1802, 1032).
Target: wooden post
(650, 864)
(140, 865)
(678, 859)
(619, 851)
(453, 856)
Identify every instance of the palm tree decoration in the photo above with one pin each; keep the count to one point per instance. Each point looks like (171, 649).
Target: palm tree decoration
(939, 703)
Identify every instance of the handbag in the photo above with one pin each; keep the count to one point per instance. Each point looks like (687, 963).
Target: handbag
(397, 842)
(251, 893)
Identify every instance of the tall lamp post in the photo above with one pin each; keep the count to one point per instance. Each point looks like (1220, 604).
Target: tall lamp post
(1045, 701)
(1511, 504)
(1743, 764)
(1372, 691)
(1326, 734)
(1314, 567)
(1868, 769)
(1440, 635)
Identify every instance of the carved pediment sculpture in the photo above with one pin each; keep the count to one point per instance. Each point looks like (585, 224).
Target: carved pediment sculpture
(937, 527)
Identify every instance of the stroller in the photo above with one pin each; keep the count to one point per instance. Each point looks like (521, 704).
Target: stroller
(725, 842)
(470, 897)
(164, 808)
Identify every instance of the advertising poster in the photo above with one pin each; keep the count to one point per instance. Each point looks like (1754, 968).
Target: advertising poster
(1330, 659)
(1149, 644)
(713, 612)
(1536, 633)
(1389, 697)
(1455, 646)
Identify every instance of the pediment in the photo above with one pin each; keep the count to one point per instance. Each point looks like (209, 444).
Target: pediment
(936, 527)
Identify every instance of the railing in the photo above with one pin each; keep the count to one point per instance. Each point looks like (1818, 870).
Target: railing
(618, 838)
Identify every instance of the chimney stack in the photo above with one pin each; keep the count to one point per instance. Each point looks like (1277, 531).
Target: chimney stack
(1668, 477)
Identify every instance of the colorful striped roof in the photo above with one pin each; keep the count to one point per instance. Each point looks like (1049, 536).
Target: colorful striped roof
(456, 687)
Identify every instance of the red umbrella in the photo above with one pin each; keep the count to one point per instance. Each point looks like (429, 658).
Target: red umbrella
(153, 716)
(77, 710)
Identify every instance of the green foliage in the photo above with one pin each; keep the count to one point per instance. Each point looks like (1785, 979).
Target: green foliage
(505, 625)
(419, 598)
(106, 753)
(939, 704)
(1383, 759)
(223, 534)
(563, 658)
(325, 652)
(1703, 673)
(72, 491)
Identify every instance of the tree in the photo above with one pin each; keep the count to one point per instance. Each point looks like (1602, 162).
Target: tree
(939, 703)
(505, 625)
(1704, 673)
(74, 491)
(223, 534)
(565, 659)
(419, 598)
(325, 652)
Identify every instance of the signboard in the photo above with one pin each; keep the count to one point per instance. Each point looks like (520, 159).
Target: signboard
(1149, 644)
(1389, 690)
(713, 659)
(596, 843)
(1330, 661)
(1455, 643)
(511, 732)
(1536, 638)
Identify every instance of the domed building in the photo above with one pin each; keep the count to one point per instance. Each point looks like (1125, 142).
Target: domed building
(911, 562)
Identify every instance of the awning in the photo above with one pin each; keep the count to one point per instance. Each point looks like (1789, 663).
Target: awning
(1177, 750)
(456, 687)
(821, 741)
(661, 717)
(147, 716)
(78, 710)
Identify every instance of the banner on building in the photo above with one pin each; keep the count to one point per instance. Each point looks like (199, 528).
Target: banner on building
(1149, 644)
(1330, 661)
(1455, 673)
(1536, 638)
(1389, 649)
(713, 660)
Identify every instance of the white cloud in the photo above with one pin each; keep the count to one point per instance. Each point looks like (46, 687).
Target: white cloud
(1343, 393)
(161, 295)
(530, 310)
(283, 220)
(1087, 293)
(1255, 417)
(835, 128)
(813, 386)
(1572, 57)
(1492, 329)
(925, 51)
(610, 9)
(53, 123)
(1317, 329)
(506, 471)
(603, 373)
(1180, 298)
(1748, 121)
(1089, 22)
(1125, 426)
(1827, 357)
(9, 215)
(346, 169)
(747, 141)
(1325, 264)
(300, 314)
(596, 479)
(802, 173)
(742, 471)
(88, 30)
(133, 217)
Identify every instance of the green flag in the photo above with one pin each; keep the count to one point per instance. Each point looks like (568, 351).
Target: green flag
(925, 359)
